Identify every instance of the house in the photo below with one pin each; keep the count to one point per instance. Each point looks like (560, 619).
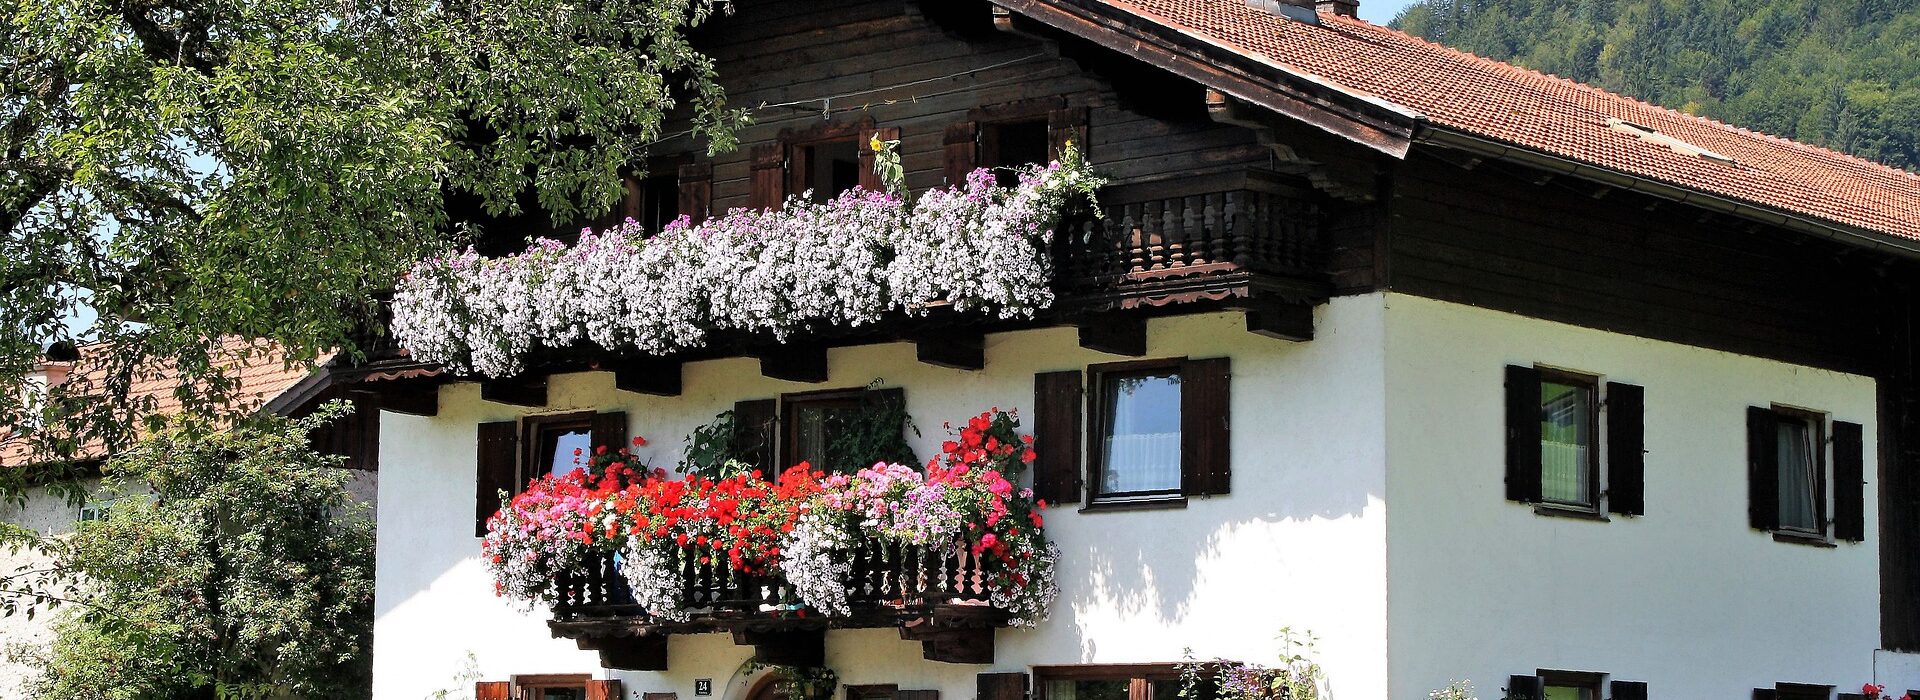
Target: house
(262, 379)
(1468, 371)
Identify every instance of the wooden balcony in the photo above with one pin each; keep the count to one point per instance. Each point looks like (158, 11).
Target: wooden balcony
(934, 597)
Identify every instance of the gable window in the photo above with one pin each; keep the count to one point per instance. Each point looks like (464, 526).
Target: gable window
(1107, 682)
(1806, 475)
(1138, 413)
(1005, 146)
(1555, 442)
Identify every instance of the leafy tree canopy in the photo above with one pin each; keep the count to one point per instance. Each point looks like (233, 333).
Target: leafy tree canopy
(198, 169)
(1839, 73)
(231, 565)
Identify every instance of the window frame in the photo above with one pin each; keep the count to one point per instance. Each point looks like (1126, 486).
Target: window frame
(1097, 427)
(1139, 677)
(991, 141)
(1816, 421)
(1592, 681)
(1596, 504)
(525, 685)
(797, 165)
(533, 432)
(1802, 691)
(787, 441)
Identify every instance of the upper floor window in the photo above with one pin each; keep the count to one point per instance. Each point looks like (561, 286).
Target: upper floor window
(513, 453)
(556, 445)
(1157, 431)
(1005, 146)
(1570, 685)
(839, 430)
(828, 168)
(1107, 682)
(1555, 442)
(1139, 419)
(1547, 684)
(1805, 474)
(814, 421)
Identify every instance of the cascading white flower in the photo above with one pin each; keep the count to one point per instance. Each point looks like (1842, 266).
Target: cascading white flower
(815, 559)
(654, 578)
(976, 247)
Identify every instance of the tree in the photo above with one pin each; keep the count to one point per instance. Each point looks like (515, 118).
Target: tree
(193, 170)
(233, 564)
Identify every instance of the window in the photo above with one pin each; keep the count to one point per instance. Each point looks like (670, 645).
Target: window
(652, 201)
(1137, 411)
(1008, 145)
(1569, 685)
(1800, 691)
(1107, 682)
(1569, 457)
(1801, 471)
(828, 168)
(812, 422)
(551, 442)
(552, 687)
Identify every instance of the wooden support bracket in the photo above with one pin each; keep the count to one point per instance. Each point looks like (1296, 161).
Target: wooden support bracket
(412, 400)
(805, 648)
(954, 350)
(653, 376)
(961, 646)
(1115, 334)
(645, 653)
(796, 363)
(530, 392)
(1281, 320)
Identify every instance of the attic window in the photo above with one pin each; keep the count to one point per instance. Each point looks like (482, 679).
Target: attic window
(1650, 135)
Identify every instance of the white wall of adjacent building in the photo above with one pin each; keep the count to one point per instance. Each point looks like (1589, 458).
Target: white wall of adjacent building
(1298, 543)
(1687, 598)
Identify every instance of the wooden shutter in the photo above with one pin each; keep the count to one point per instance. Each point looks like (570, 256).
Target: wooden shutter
(1765, 694)
(1057, 413)
(962, 152)
(1063, 125)
(769, 176)
(1523, 434)
(492, 690)
(610, 430)
(870, 180)
(1629, 690)
(1206, 398)
(498, 470)
(1525, 688)
(1763, 469)
(604, 690)
(1001, 686)
(696, 191)
(1626, 449)
(756, 429)
(1849, 482)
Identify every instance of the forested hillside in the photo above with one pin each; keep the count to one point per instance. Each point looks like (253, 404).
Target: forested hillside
(1840, 73)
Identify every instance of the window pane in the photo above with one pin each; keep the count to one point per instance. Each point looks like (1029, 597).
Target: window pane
(1799, 476)
(1141, 452)
(561, 694)
(1168, 689)
(563, 443)
(1568, 692)
(1014, 145)
(832, 168)
(1087, 690)
(1566, 442)
(810, 434)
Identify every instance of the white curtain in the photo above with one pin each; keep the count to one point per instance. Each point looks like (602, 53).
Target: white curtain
(1565, 443)
(1799, 480)
(1142, 448)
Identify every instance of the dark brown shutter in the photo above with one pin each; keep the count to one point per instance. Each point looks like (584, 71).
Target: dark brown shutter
(1056, 436)
(1763, 469)
(1206, 400)
(1001, 686)
(1629, 690)
(1525, 688)
(870, 180)
(1065, 125)
(1523, 434)
(1626, 449)
(696, 191)
(492, 690)
(610, 430)
(1849, 482)
(498, 463)
(962, 151)
(604, 690)
(1765, 694)
(769, 178)
(756, 429)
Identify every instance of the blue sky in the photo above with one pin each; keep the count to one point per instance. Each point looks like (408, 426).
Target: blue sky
(1381, 11)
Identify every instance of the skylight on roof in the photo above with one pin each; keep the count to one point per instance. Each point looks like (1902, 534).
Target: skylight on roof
(1653, 136)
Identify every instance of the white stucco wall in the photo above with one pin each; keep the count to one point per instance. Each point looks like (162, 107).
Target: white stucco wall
(1687, 598)
(1299, 542)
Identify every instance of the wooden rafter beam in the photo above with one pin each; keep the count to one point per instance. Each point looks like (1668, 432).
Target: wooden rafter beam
(1115, 334)
(953, 350)
(528, 391)
(796, 363)
(650, 376)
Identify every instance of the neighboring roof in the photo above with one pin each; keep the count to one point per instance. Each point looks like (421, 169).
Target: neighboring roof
(1443, 88)
(260, 372)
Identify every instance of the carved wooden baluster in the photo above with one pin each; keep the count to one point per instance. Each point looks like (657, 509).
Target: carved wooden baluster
(1216, 233)
(596, 580)
(689, 579)
(1135, 246)
(1242, 210)
(1161, 218)
(1191, 240)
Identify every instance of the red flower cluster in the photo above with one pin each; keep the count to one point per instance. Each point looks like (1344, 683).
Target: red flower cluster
(989, 440)
(740, 518)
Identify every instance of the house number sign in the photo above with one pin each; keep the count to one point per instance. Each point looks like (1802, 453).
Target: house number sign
(702, 687)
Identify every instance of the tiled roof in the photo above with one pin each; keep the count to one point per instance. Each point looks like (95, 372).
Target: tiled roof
(1493, 100)
(260, 373)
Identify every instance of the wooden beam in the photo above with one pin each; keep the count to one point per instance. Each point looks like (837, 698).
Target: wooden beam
(651, 376)
(1283, 321)
(414, 400)
(796, 363)
(1115, 334)
(804, 648)
(961, 646)
(954, 350)
(644, 653)
(529, 392)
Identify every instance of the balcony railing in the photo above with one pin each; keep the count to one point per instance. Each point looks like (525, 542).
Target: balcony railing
(936, 595)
